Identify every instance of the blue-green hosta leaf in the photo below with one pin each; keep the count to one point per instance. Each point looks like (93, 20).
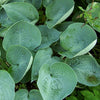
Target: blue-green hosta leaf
(46, 2)
(29, 1)
(35, 95)
(20, 59)
(7, 86)
(77, 39)
(24, 34)
(17, 11)
(93, 15)
(21, 94)
(37, 3)
(41, 57)
(49, 36)
(4, 20)
(87, 69)
(58, 10)
(3, 31)
(57, 81)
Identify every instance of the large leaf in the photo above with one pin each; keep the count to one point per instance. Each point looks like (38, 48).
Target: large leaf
(49, 36)
(24, 34)
(93, 15)
(16, 11)
(7, 86)
(35, 95)
(57, 81)
(58, 10)
(21, 94)
(77, 39)
(41, 57)
(20, 59)
(87, 69)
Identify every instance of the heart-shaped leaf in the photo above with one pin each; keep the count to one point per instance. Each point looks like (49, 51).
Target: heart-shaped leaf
(7, 86)
(93, 15)
(24, 34)
(41, 57)
(87, 69)
(57, 81)
(49, 36)
(58, 10)
(21, 94)
(20, 59)
(77, 39)
(16, 11)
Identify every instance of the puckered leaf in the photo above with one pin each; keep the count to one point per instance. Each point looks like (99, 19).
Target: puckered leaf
(56, 81)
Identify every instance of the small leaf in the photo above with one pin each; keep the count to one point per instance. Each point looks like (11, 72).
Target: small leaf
(41, 57)
(77, 40)
(35, 95)
(49, 36)
(7, 86)
(21, 94)
(87, 69)
(58, 10)
(56, 81)
(16, 11)
(46, 2)
(24, 34)
(20, 59)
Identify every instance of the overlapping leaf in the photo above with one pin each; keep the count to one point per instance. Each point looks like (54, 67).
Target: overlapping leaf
(20, 59)
(56, 81)
(58, 10)
(77, 39)
(16, 11)
(87, 69)
(24, 34)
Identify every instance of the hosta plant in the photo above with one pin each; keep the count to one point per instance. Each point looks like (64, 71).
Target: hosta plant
(43, 55)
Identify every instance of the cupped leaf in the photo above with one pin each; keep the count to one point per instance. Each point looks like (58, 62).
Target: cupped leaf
(41, 57)
(87, 69)
(7, 86)
(35, 95)
(37, 3)
(77, 39)
(17, 11)
(49, 36)
(21, 94)
(93, 15)
(58, 10)
(20, 59)
(24, 34)
(57, 81)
